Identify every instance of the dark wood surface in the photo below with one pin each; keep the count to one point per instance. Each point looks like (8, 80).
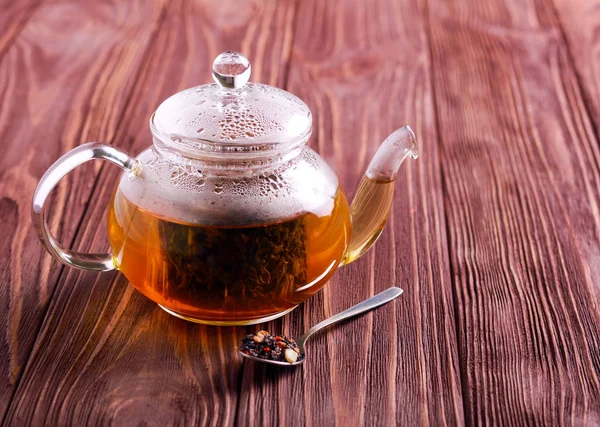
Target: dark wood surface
(494, 235)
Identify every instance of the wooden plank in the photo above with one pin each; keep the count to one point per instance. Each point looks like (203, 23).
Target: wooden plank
(364, 71)
(66, 79)
(106, 354)
(521, 196)
(579, 22)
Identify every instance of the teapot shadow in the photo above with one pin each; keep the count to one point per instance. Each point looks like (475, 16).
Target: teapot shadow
(213, 350)
(269, 374)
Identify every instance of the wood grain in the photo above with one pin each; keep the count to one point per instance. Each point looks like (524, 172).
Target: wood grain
(362, 79)
(105, 354)
(521, 195)
(13, 17)
(63, 82)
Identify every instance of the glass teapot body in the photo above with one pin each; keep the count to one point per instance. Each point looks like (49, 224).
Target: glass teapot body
(228, 246)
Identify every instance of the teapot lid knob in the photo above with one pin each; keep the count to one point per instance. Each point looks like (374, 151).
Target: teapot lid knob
(231, 70)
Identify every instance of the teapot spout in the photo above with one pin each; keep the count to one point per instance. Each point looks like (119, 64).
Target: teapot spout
(390, 155)
(373, 200)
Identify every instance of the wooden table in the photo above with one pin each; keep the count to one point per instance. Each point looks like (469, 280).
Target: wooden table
(495, 231)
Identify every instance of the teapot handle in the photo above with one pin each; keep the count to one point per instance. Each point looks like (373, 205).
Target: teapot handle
(64, 165)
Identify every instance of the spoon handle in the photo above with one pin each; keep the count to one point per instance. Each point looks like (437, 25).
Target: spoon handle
(369, 304)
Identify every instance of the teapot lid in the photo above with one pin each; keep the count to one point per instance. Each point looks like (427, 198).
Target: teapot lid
(231, 115)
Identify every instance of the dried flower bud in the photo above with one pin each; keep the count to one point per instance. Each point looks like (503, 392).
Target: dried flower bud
(290, 355)
(260, 336)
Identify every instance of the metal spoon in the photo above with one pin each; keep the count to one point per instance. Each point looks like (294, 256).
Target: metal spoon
(366, 305)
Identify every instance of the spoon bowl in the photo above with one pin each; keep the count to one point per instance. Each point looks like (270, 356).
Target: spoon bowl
(367, 305)
(276, 362)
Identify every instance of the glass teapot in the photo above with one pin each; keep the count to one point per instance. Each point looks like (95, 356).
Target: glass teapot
(229, 218)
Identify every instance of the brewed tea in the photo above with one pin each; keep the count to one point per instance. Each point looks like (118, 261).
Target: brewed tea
(369, 210)
(227, 273)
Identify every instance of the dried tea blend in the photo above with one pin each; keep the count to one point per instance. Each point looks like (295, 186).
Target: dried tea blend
(271, 347)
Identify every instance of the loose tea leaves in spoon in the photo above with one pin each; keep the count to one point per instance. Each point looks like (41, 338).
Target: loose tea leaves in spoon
(266, 346)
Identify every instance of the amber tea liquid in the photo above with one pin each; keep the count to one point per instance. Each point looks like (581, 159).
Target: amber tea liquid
(227, 274)
(369, 210)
